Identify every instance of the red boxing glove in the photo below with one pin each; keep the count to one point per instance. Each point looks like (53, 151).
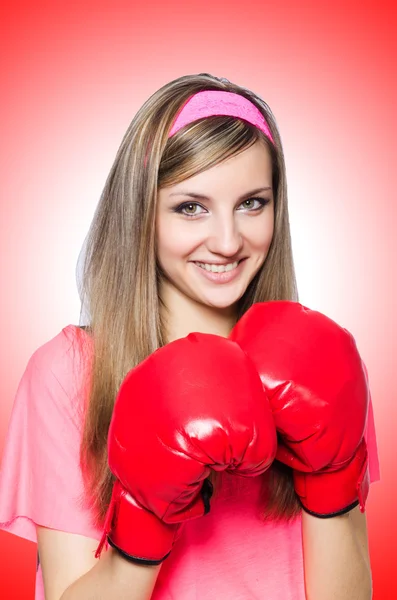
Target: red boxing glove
(317, 387)
(194, 405)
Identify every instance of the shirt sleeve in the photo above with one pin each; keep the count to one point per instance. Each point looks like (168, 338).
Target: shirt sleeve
(372, 447)
(40, 479)
(370, 438)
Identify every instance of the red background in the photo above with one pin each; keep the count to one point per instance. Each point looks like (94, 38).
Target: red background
(73, 75)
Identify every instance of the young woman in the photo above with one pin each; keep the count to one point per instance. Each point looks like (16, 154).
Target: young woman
(191, 231)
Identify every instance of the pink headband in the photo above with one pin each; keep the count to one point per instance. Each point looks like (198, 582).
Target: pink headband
(218, 103)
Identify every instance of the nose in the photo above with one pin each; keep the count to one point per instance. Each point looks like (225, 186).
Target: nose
(224, 236)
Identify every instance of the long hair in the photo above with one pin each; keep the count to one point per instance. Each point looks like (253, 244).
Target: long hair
(120, 275)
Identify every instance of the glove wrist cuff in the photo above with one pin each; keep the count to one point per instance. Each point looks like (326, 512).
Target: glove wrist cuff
(137, 534)
(333, 493)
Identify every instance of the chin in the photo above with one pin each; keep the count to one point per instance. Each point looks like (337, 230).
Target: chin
(220, 303)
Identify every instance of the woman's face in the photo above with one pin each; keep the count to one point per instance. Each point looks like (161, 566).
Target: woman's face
(214, 229)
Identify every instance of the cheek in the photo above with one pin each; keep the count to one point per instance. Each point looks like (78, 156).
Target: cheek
(174, 240)
(259, 234)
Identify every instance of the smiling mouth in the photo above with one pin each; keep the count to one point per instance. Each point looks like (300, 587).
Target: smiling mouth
(211, 268)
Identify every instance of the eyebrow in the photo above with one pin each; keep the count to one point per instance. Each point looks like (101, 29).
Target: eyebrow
(198, 196)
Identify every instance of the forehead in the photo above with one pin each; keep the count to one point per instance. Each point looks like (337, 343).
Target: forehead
(248, 169)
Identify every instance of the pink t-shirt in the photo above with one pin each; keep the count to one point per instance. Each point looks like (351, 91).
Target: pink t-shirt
(230, 553)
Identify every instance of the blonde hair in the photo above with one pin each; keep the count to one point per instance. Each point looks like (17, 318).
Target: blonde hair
(120, 275)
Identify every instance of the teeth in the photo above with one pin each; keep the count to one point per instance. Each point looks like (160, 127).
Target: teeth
(218, 268)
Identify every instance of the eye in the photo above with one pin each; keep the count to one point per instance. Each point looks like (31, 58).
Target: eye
(189, 209)
(254, 204)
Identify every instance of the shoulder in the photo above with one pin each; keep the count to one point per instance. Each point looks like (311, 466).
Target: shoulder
(56, 376)
(70, 351)
(70, 346)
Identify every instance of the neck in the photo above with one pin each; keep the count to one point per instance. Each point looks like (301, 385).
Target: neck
(182, 315)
